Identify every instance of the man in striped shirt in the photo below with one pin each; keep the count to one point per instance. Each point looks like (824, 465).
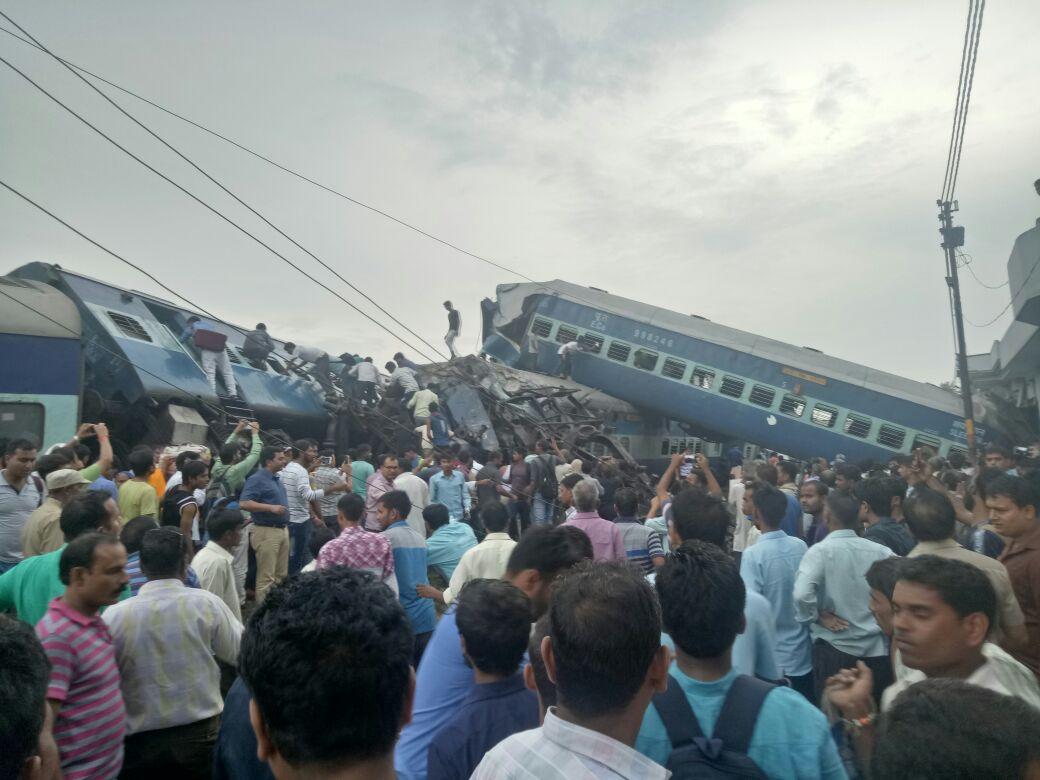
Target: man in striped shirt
(84, 692)
(643, 547)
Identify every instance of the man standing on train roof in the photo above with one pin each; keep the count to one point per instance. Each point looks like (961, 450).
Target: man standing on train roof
(317, 358)
(258, 345)
(454, 328)
(212, 347)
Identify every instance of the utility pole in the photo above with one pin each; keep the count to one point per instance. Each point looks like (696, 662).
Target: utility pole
(953, 237)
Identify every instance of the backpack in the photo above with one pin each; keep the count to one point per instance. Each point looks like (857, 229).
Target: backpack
(209, 340)
(546, 486)
(219, 494)
(724, 755)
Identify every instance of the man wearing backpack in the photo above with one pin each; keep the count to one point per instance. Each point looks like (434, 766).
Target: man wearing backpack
(765, 730)
(544, 487)
(212, 347)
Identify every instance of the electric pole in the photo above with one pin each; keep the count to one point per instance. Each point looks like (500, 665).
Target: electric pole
(953, 237)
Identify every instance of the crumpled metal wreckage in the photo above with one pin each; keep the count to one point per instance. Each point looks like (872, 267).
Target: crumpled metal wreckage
(495, 407)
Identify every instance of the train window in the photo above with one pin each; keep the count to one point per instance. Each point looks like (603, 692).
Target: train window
(645, 360)
(824, 415)
(673, 369)
(665, 446)
(762, 396)
(858, 426)
(591, 343)
(921, 440)
(618, 351)
(792, 405)
(565, 334)
(703, 377)
(232, 356)
(891, 436)
(732, 386)
(959, 450)
(541, 328)
(20, 420)
(129, 326)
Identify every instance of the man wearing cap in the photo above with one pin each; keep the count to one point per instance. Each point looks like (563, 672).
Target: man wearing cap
(42, 532)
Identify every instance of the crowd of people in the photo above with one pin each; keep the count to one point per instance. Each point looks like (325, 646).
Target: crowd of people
(270, 610)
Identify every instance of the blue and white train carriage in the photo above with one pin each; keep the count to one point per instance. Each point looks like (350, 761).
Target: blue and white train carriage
(729, 384)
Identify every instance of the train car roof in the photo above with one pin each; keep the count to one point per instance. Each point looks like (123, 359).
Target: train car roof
(803, 358)
(46, 311)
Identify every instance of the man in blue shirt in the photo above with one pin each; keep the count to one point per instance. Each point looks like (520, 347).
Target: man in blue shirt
(447, 541)
(437, 429)
(791, 524)
(409, 565)
(494, 622)
(875, 505)
(768, 567)
(697, 516)
(264, 497)
(832, 596)
(449, 488)
(444, 679)
(702, 605)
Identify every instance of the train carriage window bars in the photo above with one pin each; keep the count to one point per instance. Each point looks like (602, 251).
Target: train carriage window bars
(129, 326)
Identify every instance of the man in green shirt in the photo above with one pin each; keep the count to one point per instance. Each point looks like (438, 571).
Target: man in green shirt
(361, 470)
(31, 585)
(232, 466)
(104, 459)
(137, 497)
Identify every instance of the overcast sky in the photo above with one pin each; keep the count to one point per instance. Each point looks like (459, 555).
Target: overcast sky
(770, 166)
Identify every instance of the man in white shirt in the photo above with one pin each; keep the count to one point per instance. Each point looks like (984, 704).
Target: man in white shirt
(214, 563)
(418, 493)
(402, 380)
(566, 355)
(318, 359)
(485, 561)
(168, 639)
(367, 376)
(943, 611)
(302, 516)
(420, 402)
(605, 655)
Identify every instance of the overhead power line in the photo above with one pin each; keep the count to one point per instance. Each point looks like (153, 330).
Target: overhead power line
(967, 262)
(966, 78)
(219, 184)
(1011, 303)
(286, 169)
(217, 212)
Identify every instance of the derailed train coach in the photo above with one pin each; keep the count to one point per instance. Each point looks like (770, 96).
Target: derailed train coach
(114, 355)
(728, 384)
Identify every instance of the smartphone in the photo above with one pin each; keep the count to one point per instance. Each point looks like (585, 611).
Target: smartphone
(687, 466)
(325, 461)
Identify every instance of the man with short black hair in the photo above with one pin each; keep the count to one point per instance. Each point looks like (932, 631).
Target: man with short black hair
(702, 608)
(607, 544)
(84, 692)
(448, 488)
(30, 586)
(19, 498)
(320, 640)
(180, 508)
(318, 361)
(768, 567)
(295, 478)
(846, 477)
(875, 504)
(812, 494)
(792, 522)
(697, 516)
(409, 550)
(379, 482)
(932, 519)
(881, 577)
(27, 748)
(446, 541)
(264, 497)
(214, 563)
(357, 548)
(258, 346)
(444, 680)
(1012, 505)
(643, 548)
(1000, 457)
(494, 621)
(169, 632)
(950, 729)
(454, 328)
(137, 496)
(605, 655)
(832, 596)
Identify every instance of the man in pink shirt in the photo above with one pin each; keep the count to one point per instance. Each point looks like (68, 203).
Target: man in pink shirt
(84, 689)
(379, 482)
(607, 544)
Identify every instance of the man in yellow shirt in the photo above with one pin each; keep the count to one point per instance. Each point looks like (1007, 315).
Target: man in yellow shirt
(42, 533)
(137, 497)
